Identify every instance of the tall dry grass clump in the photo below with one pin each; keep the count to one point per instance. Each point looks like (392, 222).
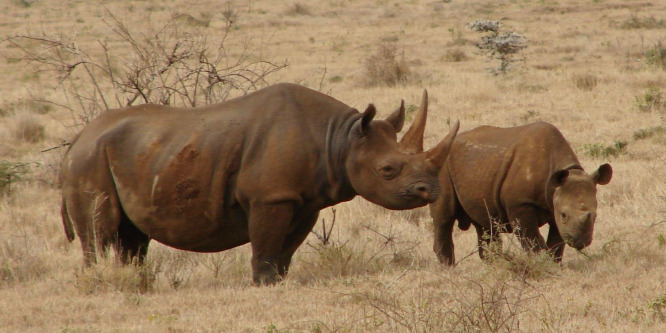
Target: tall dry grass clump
(585, 81)
(386, 67)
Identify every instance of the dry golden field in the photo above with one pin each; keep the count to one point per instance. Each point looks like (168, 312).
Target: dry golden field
(595, 69)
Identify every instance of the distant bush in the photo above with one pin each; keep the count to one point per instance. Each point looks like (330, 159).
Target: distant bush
(651, 100)
(502, 46)
(299, 9)
(28, 128)
(600, 150)
(656, 56)
(385, 67)
(649, 132)
(10, 173)
(455, 55)
(586, 82)
(643, 23)
(19, 264)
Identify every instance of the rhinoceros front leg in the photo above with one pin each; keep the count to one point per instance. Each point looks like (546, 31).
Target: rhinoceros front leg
(527, 222)
(443, 243)
(303, 227)
(555, 243)
(268, 228)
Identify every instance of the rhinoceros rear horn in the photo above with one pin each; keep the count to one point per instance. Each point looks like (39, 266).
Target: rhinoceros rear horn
(397, 118)
(438, 154)
(412, 141)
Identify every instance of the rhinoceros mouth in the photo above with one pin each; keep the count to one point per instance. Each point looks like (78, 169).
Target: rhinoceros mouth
(421, 191)
(577, 243)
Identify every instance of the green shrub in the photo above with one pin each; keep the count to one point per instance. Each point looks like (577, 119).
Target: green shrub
(646, 133)
(11, 172)
(651, 100)
(599, 150)
(656, 56)
(643, 23)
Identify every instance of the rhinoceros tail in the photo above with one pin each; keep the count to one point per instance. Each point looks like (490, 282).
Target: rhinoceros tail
(67, 222)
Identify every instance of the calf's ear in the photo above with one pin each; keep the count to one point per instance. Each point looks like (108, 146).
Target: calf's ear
(362, 125)
(397, 118)
(557, 178)
(603, 175)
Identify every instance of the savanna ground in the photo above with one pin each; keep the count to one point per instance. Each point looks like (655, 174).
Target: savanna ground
(595, 69)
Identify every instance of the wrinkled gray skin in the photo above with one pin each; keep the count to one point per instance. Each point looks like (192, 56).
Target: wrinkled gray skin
(522, 177)
(256, 169)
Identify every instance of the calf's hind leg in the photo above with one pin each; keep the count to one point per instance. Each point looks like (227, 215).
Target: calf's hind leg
(488, 239)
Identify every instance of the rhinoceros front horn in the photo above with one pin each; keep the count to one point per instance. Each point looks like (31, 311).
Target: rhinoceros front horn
(412, 141)
(437, 155)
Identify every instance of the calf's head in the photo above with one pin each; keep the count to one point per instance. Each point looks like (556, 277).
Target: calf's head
(574, 195)
(396, 175)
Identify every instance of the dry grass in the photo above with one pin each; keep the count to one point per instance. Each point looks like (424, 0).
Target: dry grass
(378, 272)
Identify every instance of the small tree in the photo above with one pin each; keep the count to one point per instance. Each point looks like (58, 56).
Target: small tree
(172, 64)
(499, 45)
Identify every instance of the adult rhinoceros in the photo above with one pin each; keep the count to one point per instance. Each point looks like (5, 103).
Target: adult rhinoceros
(256, 169)
(501, 179)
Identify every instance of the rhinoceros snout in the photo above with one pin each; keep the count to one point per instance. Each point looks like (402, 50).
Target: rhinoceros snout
(423, 190)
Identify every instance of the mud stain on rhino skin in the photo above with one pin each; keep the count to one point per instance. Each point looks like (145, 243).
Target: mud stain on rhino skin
(187, 189)
(187, 155)
(481, 146)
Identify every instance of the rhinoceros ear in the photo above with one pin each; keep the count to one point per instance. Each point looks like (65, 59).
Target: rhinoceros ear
(557, 179)
(397, 118)
(603, 175)
(412, 141)
(361, 126)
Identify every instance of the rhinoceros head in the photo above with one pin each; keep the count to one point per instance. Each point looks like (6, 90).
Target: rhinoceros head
(575, 202)
(396, 175)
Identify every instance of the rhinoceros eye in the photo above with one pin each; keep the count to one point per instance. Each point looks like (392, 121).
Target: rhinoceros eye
(564, 216)
(387, 171)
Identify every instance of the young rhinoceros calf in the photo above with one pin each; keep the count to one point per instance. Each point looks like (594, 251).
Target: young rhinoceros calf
(520, 178)
(255, 169)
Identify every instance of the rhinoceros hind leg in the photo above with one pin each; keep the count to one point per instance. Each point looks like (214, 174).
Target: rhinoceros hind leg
(294, 240)
(487, 240)
(131, 244)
